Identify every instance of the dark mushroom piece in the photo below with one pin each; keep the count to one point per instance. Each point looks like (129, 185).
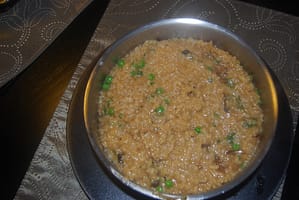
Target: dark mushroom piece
(187, 54)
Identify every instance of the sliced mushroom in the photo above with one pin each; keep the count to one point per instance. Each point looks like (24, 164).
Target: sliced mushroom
(120, 158)
(187, 54)
(155, 183)
(220, 164)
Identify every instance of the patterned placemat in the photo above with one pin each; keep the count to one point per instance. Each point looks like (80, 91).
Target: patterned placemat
(28, 28)
(272, 34)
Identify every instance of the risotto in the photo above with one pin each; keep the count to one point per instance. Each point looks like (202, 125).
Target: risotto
(179, 116)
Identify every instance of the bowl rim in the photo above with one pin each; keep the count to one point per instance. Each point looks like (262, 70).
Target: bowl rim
(204, 195)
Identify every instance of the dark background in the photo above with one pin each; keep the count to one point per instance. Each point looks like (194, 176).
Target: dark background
(28, 102)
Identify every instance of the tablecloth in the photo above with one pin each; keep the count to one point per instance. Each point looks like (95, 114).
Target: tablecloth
(272, 34)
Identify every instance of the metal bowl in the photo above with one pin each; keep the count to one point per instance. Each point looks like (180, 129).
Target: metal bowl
(184, 28)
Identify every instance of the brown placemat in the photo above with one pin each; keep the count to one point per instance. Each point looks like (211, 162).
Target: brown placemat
(29, 27)
(272, 34)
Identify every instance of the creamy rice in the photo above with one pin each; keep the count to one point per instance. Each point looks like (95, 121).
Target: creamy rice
(179, 116)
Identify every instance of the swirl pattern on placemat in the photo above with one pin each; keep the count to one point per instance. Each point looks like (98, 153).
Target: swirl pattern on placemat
(219, 12)
(269, 20)
(292, 83)
(49, 31)
(14, 59)
(274, 52)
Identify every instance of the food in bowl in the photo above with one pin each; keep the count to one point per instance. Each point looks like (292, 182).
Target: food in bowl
(179, 116)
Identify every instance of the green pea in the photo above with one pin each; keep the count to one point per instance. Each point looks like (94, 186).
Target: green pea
(107, 82)
(197, 129)
(236, 146)
(258, 91)
(159, 110)
(231, 137)
(151, 77)
(249, 123)
(167, 101)
(141, 64)
(136, 73)
(108, 79)
(169, 183)
(159, 189)
(110, 111)
(105, 86)
(120, 62)
(159, 91)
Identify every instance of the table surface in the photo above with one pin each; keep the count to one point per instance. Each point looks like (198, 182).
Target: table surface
(28, 101)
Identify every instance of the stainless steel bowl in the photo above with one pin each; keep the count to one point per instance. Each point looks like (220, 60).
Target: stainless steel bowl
(184, 28)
